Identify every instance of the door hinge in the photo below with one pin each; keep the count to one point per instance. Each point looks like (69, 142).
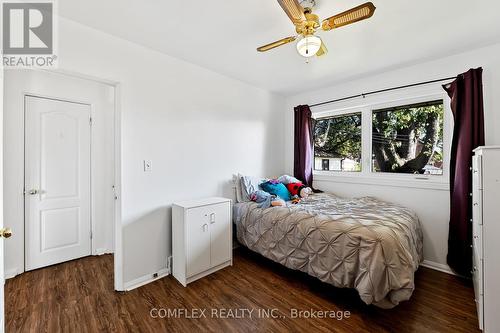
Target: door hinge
(114, 192)
(90, 121)
(91, 234)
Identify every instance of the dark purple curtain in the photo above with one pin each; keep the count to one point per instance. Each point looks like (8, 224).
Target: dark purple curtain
(303, 161)
(466, 94)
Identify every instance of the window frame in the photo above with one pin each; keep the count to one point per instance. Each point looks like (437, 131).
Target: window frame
(366, 106)
(340, 113)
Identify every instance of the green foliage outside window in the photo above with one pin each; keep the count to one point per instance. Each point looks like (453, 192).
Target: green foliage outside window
(408, 139)
(339, 138)
(405, 139)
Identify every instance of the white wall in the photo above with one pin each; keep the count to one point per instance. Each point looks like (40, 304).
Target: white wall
(101, 97)
(196, 126)
(432, 205)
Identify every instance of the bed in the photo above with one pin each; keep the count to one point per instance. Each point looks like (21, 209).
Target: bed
(364, 243)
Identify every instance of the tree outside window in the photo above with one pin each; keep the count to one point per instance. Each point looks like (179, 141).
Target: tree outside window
(338, 141)
(405, 139)
(408, 139)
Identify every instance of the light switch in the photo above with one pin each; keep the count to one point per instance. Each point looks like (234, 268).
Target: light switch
(148, 165)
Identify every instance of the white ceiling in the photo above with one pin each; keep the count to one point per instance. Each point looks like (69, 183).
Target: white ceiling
(223, 35)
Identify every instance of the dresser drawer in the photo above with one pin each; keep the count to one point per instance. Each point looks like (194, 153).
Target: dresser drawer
(477, 280)
(479, 310)
(477, 168)
(477, 206)
(477, 273)
(477, 239)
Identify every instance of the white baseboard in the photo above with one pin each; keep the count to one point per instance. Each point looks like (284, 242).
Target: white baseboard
(145, 279)
(101, 251)
(10, 273)
(437, 266)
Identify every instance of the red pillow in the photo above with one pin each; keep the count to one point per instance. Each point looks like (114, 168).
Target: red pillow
(294, 188)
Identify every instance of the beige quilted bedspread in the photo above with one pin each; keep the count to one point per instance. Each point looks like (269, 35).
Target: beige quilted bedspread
(366, 244)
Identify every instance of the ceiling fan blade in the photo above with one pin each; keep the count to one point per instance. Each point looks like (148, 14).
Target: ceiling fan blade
(355, 14)
(322, 50)
(294, 11)
(276, 44)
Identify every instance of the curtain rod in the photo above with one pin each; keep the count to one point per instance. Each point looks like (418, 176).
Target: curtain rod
(381, 91)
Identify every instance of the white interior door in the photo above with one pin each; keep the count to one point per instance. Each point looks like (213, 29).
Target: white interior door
(57, 181)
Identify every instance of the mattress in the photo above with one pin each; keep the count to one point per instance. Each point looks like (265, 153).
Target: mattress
(363, 243)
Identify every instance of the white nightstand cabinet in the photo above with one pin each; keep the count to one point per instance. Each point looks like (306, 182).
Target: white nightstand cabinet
(201, 238)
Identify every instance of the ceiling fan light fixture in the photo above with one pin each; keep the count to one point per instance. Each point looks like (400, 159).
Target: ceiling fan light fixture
(308, 46)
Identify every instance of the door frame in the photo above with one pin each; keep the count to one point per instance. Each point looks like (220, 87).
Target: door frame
(117, 223)
(92, 220)
(118, 240)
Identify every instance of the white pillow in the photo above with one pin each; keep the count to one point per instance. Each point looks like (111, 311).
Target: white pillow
(249, 185)
(237, 187)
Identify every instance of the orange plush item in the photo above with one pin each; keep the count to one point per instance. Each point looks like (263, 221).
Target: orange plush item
(294, 188)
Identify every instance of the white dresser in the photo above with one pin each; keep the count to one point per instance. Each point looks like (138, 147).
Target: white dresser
(201, 238)
(486, 236)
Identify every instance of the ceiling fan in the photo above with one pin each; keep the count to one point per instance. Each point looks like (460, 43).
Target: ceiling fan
(306, 23)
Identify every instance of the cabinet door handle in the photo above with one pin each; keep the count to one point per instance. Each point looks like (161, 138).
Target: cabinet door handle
(212, 218)
(205, 227)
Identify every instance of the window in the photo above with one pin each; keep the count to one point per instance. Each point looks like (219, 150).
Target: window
(408, 139)
(386, 142)
(337, 143)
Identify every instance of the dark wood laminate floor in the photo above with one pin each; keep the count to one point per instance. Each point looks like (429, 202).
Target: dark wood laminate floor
(78, 296)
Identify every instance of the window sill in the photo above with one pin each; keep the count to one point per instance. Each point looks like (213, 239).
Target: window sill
(407, 181)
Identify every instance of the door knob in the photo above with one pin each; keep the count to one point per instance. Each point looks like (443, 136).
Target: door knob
(5, 232)
(33, 192)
